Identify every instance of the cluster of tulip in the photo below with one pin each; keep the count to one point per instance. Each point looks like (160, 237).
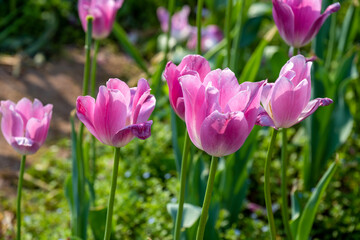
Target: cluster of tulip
(218, 111)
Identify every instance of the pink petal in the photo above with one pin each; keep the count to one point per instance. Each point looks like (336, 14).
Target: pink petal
(24, 146)
(312, 106)
(117, 84)
(195, 109)
(37, 130)
(212, 99)
(223, 134)
(195, 63)
(284, 20)
(224, 80)
(171, 74)
(25, 108)
(238, 102)
(85, 110)
(319, 22)
(12, 124)
(263, 119)
(141, 95)
(282, 102)
(146, 109)
(125, 135)
(163, 17)
(253, 105)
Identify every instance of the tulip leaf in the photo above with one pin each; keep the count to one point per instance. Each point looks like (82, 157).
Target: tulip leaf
(308, 215)
(345, 29)
(253, 64)
(191, 213)
(120, 34)
(97, 219)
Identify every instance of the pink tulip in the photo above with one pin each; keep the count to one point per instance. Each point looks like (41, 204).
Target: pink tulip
(210, 36)
(103, 12)
(219, 113)
(25, 125)
(299, 21)
(172, 74)
(287, 101)
(119, 113)
(180, 28)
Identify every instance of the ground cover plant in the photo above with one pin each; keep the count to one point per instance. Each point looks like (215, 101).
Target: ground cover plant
(241, 123)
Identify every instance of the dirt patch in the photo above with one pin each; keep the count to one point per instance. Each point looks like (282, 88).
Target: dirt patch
(59, 82)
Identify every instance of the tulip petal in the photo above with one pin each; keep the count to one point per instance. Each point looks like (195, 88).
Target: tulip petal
(171, 74)
(195, 109)
(12, 124)
(117, 84)
(253, 106)
(163, 17)
(312, 106)
(24, 146)
(224, 80)
(37, 130)
(238, 102)
(284, 20)
(85, 107)
(263, 119)
(125, 135)
(282, 102)
(141, 95)
(319, 22)
(223, 134)
(146, 109)
(109, 118)
(195, 63)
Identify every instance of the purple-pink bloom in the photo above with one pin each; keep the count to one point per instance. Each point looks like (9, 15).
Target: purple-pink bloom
(299, 21)
(25, 125)
(210, 36)
(172, 73)
(219, 113)
(103, 12)
(119, 113)
(287, 101)
(180, 28)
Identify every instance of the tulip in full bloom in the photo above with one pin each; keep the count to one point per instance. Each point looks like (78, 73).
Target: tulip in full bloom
(219, 113)
(210, 36)
(180, 28)
(172, 74)
(25, 125)
(119, 113)
(287, 101)
(299, 21)
(103, 12)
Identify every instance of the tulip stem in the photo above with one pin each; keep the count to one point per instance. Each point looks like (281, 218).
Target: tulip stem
(267, 187)
(184, 163)
(284, 205)
(89, 20)
(18, 200)
(206, 204)
(198, 24)
(112, 195)
(93, 68)
(227, 29)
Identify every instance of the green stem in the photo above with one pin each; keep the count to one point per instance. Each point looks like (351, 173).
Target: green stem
(227, 29)
(112, 195)
(206, 204)
(89, 20)
(284, 205)
(18, 200)
(93, 68)
(267, 187)
(184, 162)
(235, 47)
(198, 24)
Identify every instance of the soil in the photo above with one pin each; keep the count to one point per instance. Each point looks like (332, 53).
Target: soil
(59, 82)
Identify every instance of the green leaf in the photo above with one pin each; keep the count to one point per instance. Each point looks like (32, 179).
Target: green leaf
(97, 220)
(191, 213)
(120, 34)
(308, 215)
(252, 66)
